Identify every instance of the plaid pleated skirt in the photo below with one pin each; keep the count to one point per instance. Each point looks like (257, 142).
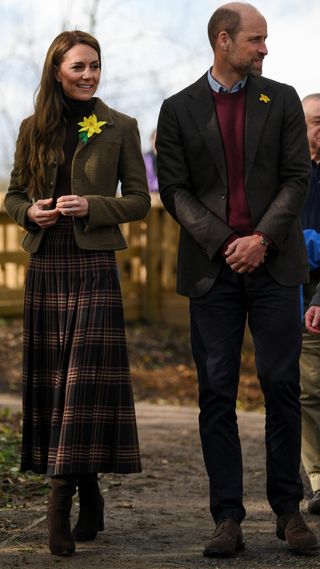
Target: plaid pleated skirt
(78, 408)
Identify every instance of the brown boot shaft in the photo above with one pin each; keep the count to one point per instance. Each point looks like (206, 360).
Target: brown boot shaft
(90, 519)
(59, 507)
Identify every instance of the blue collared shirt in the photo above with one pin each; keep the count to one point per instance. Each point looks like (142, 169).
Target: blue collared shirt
(218, 88)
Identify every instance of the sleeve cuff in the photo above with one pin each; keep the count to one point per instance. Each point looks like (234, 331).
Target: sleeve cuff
(266, 237)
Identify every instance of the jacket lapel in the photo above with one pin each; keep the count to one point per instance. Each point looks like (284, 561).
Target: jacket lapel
(103, 113)
(259, 99)
(201, 106)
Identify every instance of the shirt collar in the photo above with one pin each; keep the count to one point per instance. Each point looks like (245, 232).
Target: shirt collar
(218, 88)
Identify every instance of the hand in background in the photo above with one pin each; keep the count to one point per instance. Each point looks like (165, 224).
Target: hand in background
(312, 319)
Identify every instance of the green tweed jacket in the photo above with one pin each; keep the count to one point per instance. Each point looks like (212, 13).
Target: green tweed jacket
(108, 159)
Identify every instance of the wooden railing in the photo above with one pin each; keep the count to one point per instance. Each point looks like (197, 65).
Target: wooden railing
(147, 269)
(13, 264)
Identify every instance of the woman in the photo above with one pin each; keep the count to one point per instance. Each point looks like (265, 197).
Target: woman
(78, 410)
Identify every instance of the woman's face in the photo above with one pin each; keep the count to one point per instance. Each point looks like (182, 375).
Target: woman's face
(79, 72)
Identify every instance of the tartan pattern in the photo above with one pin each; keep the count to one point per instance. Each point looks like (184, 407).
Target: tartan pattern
(78, 408)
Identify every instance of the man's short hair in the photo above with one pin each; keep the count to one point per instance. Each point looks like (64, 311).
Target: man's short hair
(310, 97)
(223, 19)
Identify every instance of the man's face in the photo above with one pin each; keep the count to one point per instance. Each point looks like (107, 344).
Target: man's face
(312, 114)
(247, 48)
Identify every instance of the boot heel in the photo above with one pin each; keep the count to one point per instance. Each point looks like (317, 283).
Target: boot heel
(91, 514)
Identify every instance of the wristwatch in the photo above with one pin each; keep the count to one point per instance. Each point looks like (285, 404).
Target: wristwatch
(263, 241)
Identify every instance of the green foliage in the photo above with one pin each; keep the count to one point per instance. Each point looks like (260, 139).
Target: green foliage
(16, 488)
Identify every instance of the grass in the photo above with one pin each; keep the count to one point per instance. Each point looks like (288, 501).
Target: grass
(16, 488)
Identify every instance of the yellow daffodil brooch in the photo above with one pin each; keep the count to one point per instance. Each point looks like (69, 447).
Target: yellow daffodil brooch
(264, 98)
(90, 126)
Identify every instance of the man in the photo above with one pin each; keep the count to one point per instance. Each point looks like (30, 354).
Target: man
(234, 169)
(310, 356)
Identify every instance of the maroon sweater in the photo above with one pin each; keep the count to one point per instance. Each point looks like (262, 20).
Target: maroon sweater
(230, 109)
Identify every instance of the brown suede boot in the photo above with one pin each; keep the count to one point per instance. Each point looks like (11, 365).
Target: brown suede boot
(90, 519)
(292, 528)
(59, 507)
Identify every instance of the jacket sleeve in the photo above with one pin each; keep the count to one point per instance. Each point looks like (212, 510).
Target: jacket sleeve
(312, 241)
(17, 201)
(134, 202)
(175, 187)
(294, 172)
(315, 301)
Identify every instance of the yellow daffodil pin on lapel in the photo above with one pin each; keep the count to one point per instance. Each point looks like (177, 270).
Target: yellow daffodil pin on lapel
(90, 125)
(264, 98)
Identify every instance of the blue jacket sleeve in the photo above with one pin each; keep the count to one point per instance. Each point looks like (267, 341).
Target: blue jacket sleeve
(312, 240)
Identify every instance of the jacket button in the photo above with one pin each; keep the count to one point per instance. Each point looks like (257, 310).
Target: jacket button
(51, 184)
(223, 196)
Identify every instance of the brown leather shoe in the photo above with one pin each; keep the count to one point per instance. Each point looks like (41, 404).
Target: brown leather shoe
(293, 529)
(226, 540)
(314, 503)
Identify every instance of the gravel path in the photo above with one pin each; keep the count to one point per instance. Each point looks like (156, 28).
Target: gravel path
(159, 519)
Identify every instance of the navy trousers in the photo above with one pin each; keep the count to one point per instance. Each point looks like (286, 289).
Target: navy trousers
(217, 327)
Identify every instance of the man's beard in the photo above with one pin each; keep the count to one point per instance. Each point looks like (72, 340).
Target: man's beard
(255, 71)
(248, 68)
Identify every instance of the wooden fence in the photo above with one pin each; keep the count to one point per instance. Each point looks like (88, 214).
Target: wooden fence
(147, 269)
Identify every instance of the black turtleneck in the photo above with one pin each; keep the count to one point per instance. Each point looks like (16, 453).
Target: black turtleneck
(73, 111)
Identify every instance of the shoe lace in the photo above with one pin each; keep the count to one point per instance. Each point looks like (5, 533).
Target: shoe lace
(220, 527)
(298, 521)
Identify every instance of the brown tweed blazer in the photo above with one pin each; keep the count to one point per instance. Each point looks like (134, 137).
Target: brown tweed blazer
(98, 166)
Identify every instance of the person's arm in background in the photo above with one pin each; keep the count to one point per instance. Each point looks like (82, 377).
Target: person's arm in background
(312, 240)
(312, 316)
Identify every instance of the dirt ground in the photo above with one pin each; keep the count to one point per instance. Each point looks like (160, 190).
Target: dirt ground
(159, 519)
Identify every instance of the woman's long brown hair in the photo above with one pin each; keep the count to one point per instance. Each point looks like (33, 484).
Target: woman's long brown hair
(41, 138)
